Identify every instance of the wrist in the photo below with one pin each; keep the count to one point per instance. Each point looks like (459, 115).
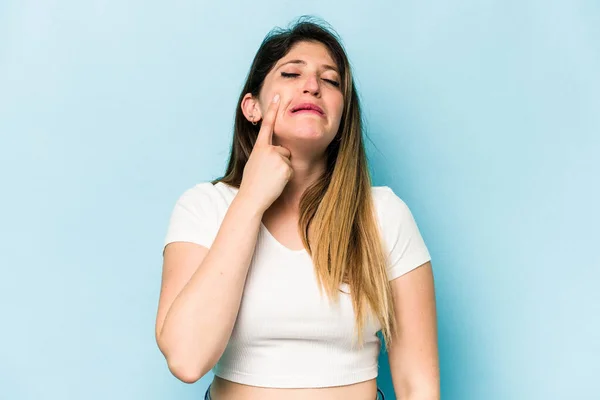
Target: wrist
(248, 206)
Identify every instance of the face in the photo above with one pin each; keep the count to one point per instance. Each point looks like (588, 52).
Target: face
(311, 104)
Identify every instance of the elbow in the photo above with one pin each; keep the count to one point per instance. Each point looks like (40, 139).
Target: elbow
(431, 395)
(183, 367)
(185, 373)
(188, 370)
(423, 389)
(430, 392)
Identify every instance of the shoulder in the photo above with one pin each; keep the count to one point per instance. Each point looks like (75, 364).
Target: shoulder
(392, 211)
(197, 200)
(204, 197)
(401, 234)
(386, 200)
(381, 191)
(194, 217)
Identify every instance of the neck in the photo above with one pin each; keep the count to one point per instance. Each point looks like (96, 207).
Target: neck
(306, 172)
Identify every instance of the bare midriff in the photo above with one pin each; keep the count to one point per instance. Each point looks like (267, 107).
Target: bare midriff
(222, 389)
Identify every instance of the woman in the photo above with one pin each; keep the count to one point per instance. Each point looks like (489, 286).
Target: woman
(279, 275)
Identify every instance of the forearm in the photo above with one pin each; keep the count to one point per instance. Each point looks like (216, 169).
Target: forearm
(421, 384)
(429, 390)
(199, 323)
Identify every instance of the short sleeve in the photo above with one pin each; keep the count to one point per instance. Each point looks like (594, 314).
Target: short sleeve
(193, 218)
(404, 242)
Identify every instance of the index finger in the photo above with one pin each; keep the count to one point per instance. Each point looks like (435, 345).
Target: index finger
(265, 135)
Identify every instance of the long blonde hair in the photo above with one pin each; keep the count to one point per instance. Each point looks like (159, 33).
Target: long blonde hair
(338, 207)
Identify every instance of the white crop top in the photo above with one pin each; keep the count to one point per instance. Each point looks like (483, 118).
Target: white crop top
(286, 335)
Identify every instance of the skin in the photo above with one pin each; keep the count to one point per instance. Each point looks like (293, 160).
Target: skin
(305, 135)
(194, 276)
(414, 356)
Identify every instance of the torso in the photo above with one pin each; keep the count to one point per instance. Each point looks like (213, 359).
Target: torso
(284, 229)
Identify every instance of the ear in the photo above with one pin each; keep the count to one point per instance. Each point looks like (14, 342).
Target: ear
(251, 108)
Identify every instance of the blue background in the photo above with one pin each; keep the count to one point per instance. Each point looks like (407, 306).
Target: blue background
(482, 115)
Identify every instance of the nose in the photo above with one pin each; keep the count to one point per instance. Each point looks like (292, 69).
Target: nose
(311, 85)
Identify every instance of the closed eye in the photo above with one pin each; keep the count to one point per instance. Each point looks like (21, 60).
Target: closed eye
(293, 75)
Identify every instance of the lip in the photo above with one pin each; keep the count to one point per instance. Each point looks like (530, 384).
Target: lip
(309, 107)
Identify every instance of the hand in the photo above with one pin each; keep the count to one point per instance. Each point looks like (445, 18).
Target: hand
(268, 169)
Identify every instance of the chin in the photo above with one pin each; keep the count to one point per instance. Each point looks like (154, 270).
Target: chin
(307, 131)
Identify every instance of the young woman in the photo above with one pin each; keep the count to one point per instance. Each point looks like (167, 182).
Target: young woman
(278, 276)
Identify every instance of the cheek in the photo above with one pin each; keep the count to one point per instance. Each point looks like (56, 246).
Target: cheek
(285, 98)
(339, 107)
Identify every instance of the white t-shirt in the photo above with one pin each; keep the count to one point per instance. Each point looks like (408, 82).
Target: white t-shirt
(286, 335)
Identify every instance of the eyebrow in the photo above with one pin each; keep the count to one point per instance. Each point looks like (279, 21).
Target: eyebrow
(302, 62)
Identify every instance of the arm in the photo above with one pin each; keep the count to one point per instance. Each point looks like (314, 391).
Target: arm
(201, 293)
(413, 354)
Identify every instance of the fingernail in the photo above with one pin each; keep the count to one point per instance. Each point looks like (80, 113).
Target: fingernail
(276, 98)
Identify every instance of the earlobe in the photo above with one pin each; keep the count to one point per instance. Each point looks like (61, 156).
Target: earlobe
(251, 108)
